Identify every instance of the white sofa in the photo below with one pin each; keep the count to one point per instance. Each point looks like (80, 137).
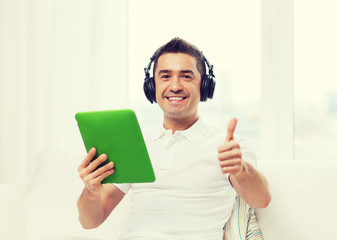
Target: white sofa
(304, 197)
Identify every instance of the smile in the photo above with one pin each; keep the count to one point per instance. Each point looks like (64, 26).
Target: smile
(175, 98)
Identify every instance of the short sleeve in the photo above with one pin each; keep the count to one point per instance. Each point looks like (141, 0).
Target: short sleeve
(124, 187)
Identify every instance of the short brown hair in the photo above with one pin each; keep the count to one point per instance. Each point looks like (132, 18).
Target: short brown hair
(178, 45)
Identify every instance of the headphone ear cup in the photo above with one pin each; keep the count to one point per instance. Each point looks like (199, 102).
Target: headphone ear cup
(203, 86)
(207, 88)
(211, 87)
(150, 89)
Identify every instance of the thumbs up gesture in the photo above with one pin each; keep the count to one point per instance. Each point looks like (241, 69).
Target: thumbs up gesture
(229, 153)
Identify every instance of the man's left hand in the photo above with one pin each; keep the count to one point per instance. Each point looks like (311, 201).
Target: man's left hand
(229, 153)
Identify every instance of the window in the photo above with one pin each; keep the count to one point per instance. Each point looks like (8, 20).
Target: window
(315, 79)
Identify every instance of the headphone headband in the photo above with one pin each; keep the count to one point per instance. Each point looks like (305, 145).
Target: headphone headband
(210, 67)
(148, 68)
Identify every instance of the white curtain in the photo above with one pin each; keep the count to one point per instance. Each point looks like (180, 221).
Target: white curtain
(57, 57)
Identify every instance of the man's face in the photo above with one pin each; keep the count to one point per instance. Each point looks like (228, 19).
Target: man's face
(178, 82)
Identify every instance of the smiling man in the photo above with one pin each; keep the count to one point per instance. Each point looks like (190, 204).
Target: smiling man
(199, 168)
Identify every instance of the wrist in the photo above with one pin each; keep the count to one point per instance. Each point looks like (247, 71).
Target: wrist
(243, 173)
(91, 193)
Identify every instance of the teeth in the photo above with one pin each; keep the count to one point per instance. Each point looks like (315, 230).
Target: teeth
(175, 98)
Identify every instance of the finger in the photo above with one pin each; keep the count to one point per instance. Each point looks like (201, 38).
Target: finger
(87, 159)
(107, 167)
(228, 146)
(97, 181)
(230, 163)
(92, 166)
(97, 176)
(230, 129)
(235, 153)
(231, 170)
(105, 174)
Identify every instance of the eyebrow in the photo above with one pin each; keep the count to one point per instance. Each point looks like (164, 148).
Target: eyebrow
(187, 71)
(164, 71)
(169, 71)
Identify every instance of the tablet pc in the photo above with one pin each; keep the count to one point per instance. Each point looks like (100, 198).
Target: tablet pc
(117, 133)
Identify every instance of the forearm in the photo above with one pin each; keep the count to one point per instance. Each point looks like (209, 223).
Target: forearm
(90, 209)
(252, 186)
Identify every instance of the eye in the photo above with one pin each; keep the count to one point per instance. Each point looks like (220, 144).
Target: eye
(186, 77)
(165, 77)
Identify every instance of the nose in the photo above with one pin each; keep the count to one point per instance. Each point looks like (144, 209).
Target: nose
(175, 85)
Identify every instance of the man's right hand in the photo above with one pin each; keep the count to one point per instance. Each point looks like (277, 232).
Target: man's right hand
(93, 176)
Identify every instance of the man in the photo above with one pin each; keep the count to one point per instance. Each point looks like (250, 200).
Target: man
(199, 169)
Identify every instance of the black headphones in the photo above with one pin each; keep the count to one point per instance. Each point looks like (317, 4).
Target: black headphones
(206, 88)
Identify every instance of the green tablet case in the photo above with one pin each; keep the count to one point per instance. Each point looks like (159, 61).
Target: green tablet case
(117, 133)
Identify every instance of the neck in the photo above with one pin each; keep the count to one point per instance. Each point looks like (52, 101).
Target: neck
(178, 124)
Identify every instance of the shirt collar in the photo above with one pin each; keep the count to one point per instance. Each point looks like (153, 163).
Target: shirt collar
(192, 134)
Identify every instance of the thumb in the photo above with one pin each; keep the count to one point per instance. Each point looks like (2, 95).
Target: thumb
(230, 129)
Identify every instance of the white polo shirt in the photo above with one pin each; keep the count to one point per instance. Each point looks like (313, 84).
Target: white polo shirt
(191, 198)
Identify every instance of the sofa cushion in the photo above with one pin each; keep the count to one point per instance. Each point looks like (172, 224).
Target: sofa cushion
(13, 201)
(303, 202)
(52, 209)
